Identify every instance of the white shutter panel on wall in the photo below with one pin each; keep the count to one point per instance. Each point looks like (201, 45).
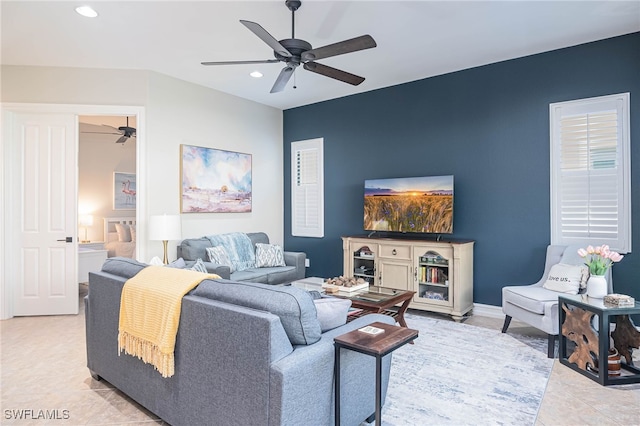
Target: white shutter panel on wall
(307, 188)
(590, 183)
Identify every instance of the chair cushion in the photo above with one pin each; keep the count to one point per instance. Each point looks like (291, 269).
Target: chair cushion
(529, 297)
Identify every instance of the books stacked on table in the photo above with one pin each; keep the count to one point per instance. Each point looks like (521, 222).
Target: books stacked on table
(619, 300)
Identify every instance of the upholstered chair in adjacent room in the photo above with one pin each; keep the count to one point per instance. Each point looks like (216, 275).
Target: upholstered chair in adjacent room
(536, 305)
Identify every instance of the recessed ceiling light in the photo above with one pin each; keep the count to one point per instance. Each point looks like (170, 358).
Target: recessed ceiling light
(256, 74)
(86, 11)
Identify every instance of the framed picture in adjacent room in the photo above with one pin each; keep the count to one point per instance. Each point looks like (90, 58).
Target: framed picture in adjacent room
(124, 191)
(214, 180)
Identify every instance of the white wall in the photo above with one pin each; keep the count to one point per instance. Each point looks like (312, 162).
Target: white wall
(176, 112)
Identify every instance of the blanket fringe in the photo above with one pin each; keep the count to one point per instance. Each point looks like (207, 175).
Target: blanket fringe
(147, 352)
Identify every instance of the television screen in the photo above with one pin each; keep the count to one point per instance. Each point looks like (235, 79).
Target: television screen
(417, 204)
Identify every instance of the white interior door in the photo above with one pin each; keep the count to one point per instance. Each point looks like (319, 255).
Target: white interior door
(43, 205)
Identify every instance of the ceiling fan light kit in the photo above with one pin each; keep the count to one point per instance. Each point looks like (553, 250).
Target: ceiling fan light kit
(293, 52)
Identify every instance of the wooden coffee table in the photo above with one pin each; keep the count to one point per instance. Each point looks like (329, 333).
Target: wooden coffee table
(378, 300)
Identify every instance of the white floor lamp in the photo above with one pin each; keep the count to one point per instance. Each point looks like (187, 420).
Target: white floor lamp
(164, 228)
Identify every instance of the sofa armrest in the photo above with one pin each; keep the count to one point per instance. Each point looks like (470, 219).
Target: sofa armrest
(297, 259)
(214, 268)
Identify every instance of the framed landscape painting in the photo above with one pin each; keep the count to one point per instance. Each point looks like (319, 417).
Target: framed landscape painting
(214, 180)
(124, 191)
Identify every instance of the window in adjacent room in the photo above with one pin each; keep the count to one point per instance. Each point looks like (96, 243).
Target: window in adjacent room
(307, 188)
(590, 172)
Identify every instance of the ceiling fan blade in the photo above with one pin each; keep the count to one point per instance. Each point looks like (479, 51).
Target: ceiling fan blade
(265, 61)
(101, 133)
(266, 37)
(122, 139)
(333, 73)
(340, 48)
(282, 79)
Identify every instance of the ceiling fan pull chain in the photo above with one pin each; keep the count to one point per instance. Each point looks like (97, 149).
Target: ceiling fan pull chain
(294, 79)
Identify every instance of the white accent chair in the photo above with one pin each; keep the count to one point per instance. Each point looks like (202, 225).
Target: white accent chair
(537, 306)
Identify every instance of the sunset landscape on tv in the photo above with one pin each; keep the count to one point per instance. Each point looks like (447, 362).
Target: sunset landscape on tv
(417, 204)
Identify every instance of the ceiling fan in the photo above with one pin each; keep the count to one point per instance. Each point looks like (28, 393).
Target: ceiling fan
(293, 52)
(125, 132)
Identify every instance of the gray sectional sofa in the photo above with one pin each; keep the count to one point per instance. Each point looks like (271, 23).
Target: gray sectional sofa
(245, 354)
(192, 249)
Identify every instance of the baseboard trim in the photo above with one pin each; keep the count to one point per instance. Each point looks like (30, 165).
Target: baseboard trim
(490, 311)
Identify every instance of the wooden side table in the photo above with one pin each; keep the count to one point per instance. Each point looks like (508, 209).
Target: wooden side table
(377, 345)
(576, 324)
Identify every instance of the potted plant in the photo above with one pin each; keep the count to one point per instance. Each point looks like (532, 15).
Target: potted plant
(598, 260)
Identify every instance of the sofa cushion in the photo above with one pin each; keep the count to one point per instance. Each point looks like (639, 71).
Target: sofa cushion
(332, 312)
(217, 254)
(269, 255)
(179, 263)
(252, 275)
(239, 248)
(194, 248)
(122, 266)
(292, 305)
(531, 298)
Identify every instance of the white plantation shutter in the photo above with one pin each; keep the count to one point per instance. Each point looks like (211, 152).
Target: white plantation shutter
(307, 188)
(590, 172)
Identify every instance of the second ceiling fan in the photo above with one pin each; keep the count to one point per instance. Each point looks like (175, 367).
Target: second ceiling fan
(293, 52)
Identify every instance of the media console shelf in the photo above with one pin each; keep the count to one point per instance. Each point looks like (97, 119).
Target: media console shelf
(439, 271)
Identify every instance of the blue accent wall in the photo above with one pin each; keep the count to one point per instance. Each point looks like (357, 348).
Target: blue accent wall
(487, 126)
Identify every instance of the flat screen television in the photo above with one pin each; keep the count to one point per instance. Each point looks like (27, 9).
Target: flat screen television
(409, 205)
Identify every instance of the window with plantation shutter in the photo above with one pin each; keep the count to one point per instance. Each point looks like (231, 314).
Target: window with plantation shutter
(307, 188)
(590, 172)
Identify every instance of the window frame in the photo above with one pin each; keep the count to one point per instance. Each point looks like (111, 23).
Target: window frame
(584, 107)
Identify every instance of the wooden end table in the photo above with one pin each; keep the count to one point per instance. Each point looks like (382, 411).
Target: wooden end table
(377, 345)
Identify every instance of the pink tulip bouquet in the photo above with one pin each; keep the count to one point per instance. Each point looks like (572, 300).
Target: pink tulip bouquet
(599, 259)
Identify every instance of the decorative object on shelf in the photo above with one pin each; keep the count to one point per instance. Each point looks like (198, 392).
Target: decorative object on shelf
(124, 191)
(598, 260)
(625, 337)
(614, 362)
(85, 220)
(214, 181)
(343, 283)
(164, 228)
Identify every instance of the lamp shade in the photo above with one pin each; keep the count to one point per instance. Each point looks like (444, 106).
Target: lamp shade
(165, 227)
(85, 220)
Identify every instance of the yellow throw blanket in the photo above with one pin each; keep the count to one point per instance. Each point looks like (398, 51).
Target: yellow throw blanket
(150, 313)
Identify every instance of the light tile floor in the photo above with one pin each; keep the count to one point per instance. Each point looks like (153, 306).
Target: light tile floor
(43, 369)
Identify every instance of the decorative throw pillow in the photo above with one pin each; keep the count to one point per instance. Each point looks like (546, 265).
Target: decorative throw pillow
(199, 266)
(564, 278)
(178, 263)
(124, 235)
(219, 255)
(332, 312)
(269, 255)
(571, 257)
(240, 249)
(132, 230)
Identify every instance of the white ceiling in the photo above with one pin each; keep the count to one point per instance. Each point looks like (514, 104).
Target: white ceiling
(416, 39)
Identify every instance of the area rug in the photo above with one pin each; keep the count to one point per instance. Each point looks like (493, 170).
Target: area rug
(458, 374)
